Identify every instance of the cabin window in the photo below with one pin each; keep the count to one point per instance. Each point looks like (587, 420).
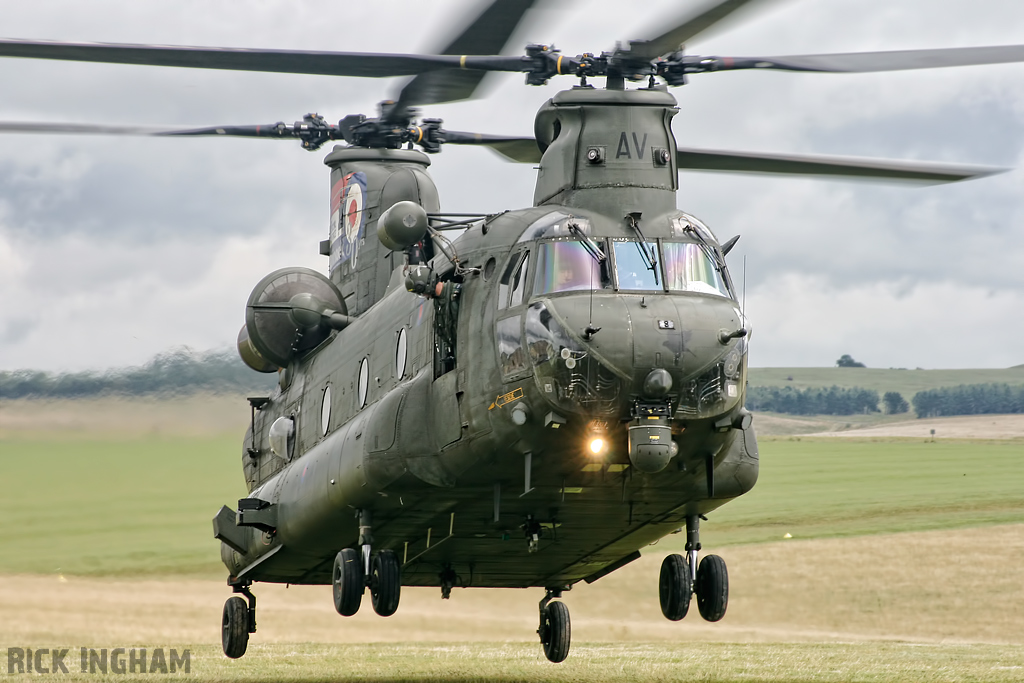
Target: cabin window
(565, 267)
(325, 411)
(364, 382)
(634, 268)
(689, 267)
(401, 354)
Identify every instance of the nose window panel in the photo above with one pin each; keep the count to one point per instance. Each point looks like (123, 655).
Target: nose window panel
(631, 268)
(689, 268)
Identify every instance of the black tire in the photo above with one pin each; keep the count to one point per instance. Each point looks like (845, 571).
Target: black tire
(556, 632)
(235, 629)
(385, 583)
(348, 582)
(712, 588)
(674, 587)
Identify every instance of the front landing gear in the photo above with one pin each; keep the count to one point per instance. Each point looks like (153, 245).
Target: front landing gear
(555, 631)
(238, 622)
(683, 577)
(356, 570)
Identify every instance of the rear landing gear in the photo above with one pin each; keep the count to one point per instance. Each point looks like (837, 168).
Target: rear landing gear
(239, 620)
(555, 631)
(683, 577)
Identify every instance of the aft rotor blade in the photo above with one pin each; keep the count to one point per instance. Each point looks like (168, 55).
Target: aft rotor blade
(853, 167)
(486, 35)
(273, 130)
(864, 62)
(521, 150)
(686, 28)
(369, 65)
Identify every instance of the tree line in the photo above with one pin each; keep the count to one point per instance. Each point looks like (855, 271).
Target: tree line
(180, 371)
(813, 401)
(969, 399)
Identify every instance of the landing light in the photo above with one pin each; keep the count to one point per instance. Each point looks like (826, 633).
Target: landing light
(597, 446)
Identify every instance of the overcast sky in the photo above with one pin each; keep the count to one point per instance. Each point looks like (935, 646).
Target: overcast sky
(113, 250)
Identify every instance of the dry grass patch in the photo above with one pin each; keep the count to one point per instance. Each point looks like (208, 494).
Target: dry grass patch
(959, 586)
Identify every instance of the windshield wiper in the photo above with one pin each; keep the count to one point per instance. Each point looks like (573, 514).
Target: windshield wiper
(588, 244)
(650, 259)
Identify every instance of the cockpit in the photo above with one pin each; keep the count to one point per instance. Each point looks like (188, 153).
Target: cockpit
(573, 261)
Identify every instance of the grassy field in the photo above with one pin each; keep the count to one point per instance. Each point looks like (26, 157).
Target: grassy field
(126, 505)
(906, 382)
(143, 504)
(903, 564)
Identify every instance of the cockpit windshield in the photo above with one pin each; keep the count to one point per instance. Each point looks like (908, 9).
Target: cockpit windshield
(566, 266)
(633, 270)
(689, 268)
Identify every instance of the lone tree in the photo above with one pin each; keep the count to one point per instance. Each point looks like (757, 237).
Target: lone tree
(847, 361)
(895, 403)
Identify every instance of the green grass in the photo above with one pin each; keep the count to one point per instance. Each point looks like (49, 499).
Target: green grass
(142, 506)
(906, 382)
(830, 487)
(115, 506)
(719, 662)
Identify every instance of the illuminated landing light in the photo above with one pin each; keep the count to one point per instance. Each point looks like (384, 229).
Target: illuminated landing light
(597, 446)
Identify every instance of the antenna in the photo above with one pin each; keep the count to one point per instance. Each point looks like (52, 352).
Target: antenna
(743, 296)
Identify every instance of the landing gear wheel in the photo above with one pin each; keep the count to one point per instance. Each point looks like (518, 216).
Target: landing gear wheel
(347, 579)
(675, 587)
(712, 588)
(556, 632)
(235, 629)
(385, 583)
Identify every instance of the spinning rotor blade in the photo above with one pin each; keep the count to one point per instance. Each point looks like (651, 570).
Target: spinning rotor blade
(369, 65)
(687, 28)
(864, 62)
(794, 164)
(522, 150)
(313, 132)
(488, 34)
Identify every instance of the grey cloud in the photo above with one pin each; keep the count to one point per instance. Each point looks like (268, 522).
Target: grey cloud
(173, 224)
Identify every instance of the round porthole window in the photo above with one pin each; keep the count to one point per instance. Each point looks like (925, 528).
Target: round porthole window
(364, 381)
(401, 354)
(325, 411)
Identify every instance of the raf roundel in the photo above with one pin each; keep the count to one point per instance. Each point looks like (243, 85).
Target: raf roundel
(352, 210)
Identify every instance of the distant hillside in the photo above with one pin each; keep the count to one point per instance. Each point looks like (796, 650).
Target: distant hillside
(906, 382)
(180, 371)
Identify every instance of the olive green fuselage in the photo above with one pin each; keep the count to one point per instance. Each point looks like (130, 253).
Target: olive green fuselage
(473, 426)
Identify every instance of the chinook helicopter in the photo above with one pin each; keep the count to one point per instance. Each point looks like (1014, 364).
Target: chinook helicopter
(527, 404)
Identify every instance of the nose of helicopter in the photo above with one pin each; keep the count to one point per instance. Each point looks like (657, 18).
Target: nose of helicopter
(634, 334)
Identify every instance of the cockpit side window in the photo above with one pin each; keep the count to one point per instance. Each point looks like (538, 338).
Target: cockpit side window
(518, 283)
(691, 268)
(567, 266)
(504, 285)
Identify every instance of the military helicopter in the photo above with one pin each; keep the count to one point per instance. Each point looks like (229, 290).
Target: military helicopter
(528, 404)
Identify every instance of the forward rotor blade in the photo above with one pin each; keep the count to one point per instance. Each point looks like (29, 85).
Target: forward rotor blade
(521, 150)
(685, 29)
(486, 35)
(33, 127)
(854, 167)
(865, 62)
(369, 65)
